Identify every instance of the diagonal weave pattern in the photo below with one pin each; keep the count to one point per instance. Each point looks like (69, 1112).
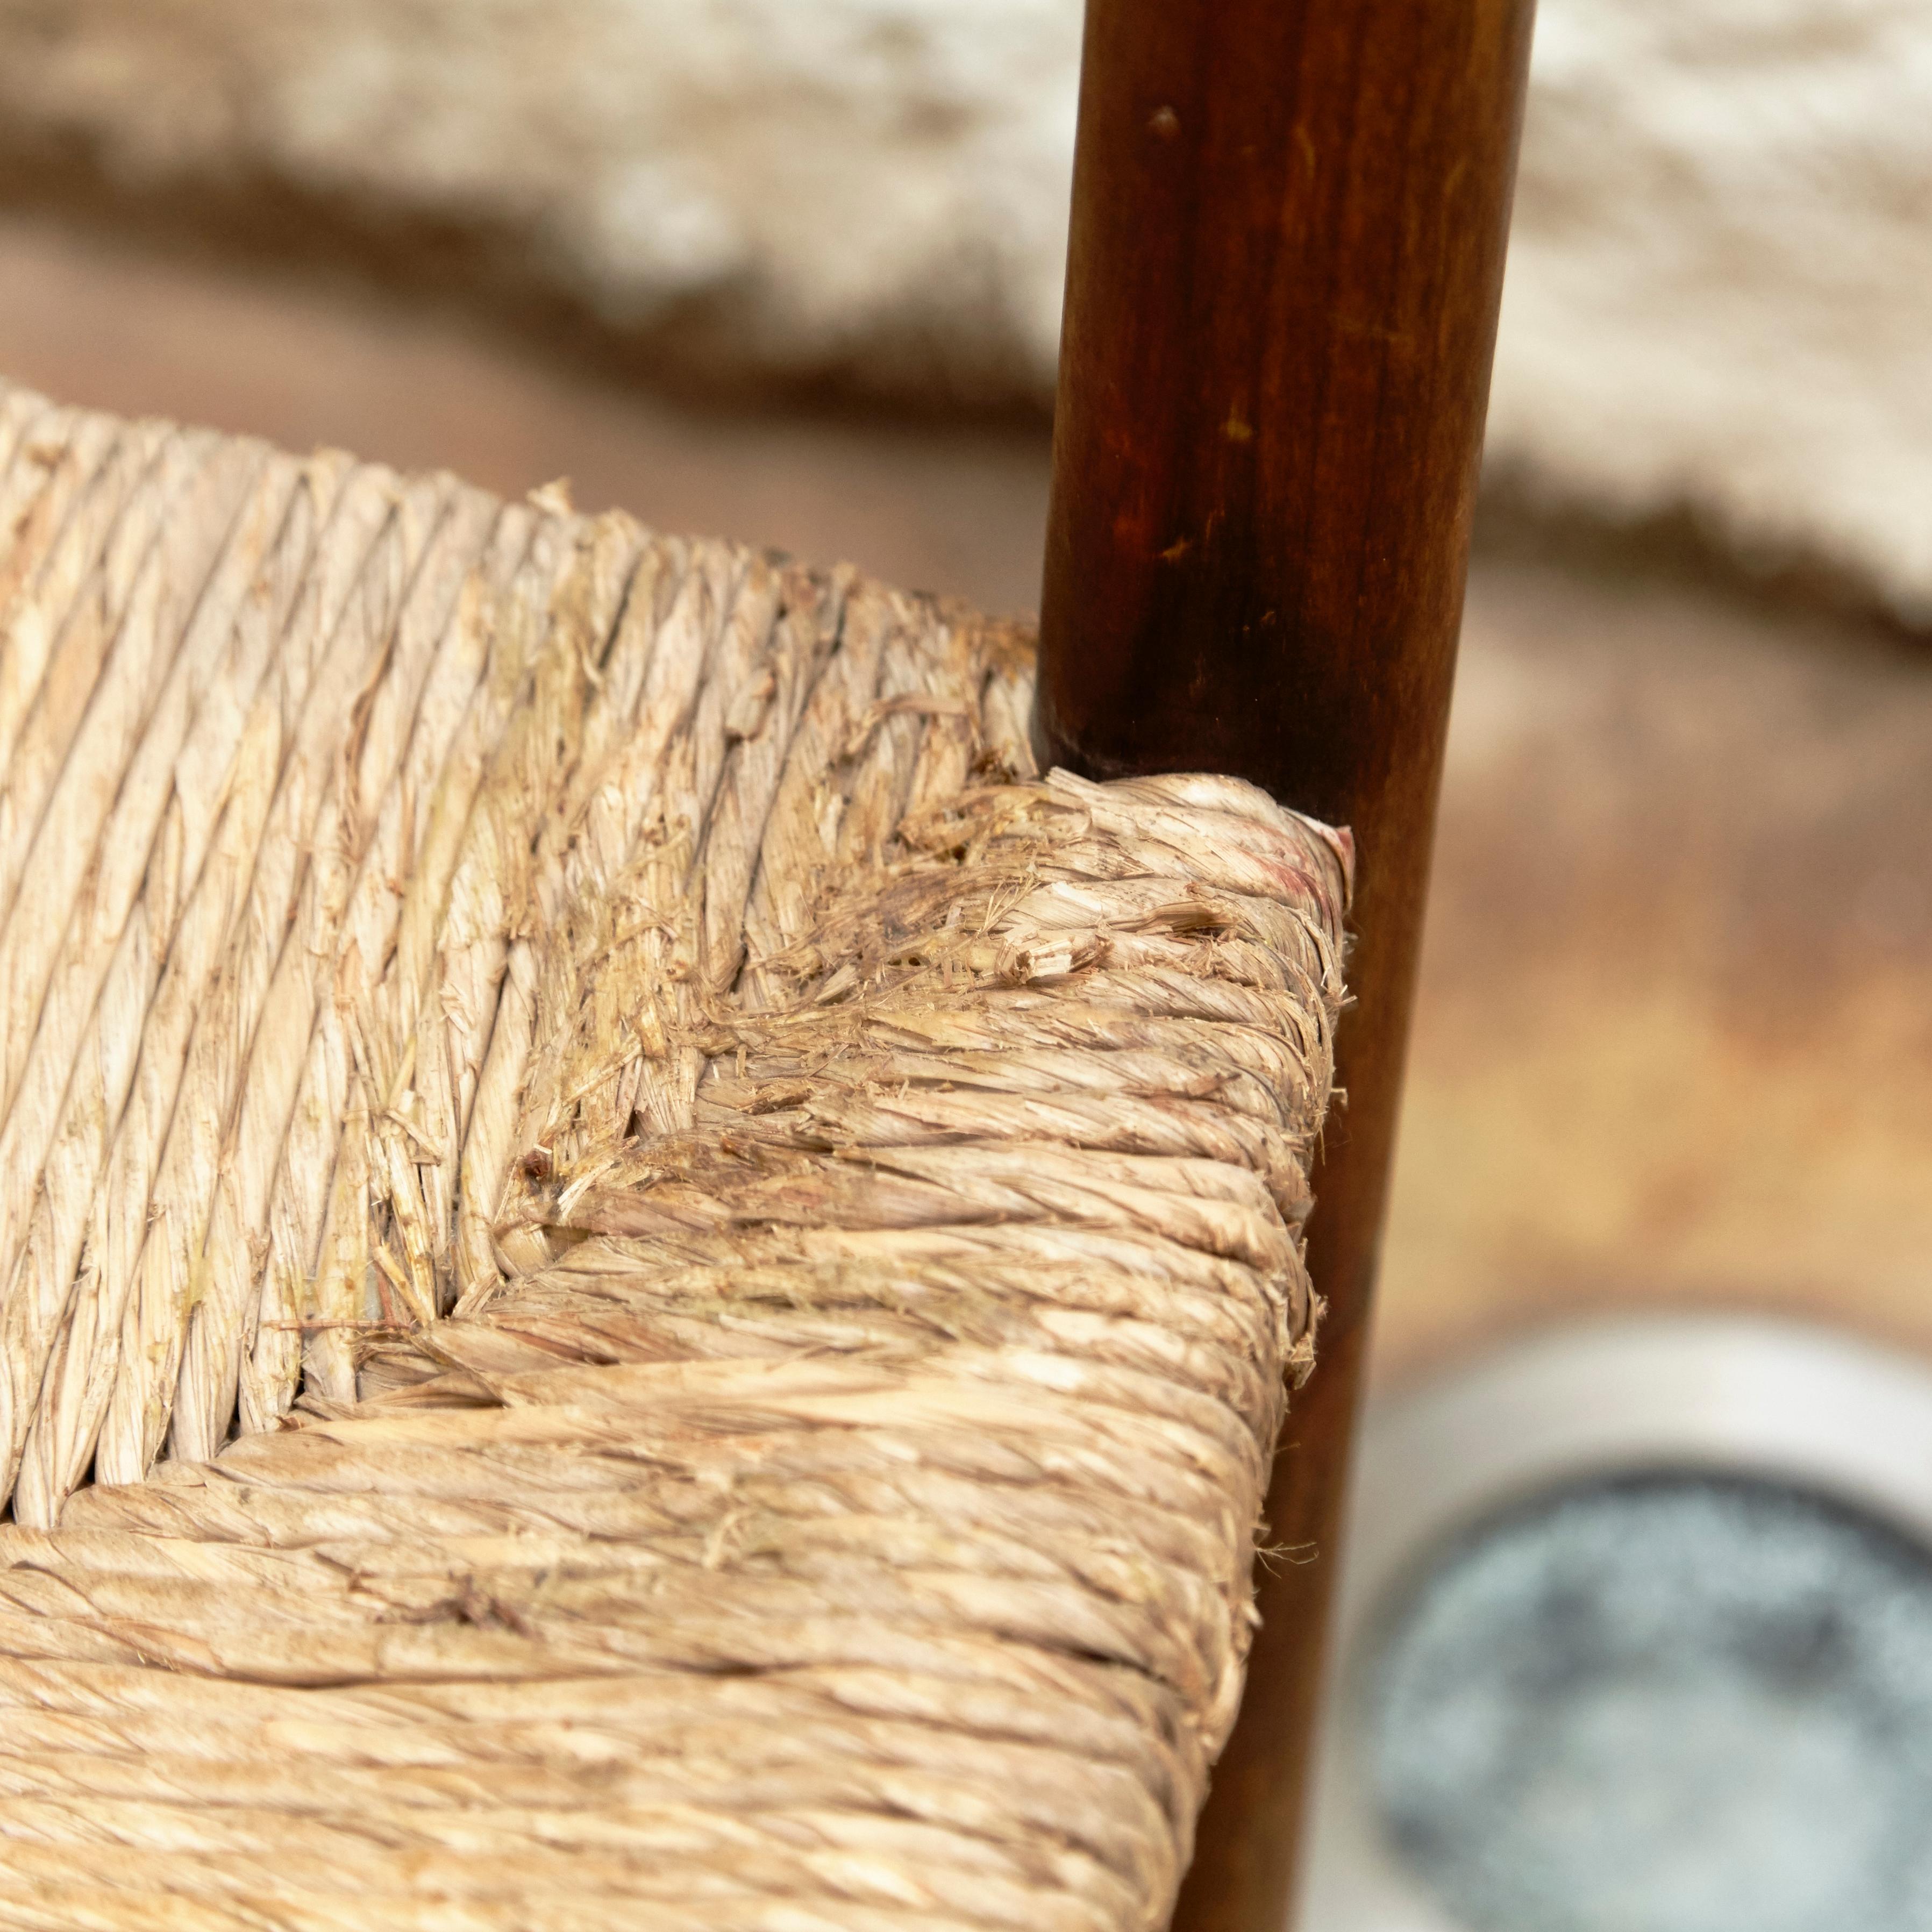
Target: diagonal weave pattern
(644, 1282)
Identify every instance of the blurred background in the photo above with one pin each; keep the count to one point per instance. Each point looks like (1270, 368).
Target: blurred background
(790, 270)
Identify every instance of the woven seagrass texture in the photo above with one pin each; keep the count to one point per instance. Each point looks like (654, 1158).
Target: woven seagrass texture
(645, 1281)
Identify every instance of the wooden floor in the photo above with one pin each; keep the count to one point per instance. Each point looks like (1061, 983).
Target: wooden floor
(1675, 1031)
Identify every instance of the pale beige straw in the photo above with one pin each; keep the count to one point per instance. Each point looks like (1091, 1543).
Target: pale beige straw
(643, 1280)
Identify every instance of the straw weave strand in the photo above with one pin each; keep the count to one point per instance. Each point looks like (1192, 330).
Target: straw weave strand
(642, 1279)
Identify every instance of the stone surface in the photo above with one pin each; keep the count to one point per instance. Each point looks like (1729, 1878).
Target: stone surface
(864, 188)
(1721, 282)
(1718, 296)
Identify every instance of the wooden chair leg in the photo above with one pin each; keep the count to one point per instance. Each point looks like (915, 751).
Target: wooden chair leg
(1289, 219)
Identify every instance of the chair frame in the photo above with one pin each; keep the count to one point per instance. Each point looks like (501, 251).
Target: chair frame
(1288, 226)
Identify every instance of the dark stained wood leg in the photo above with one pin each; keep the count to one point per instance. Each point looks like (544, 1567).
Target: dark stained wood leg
(1289, 218)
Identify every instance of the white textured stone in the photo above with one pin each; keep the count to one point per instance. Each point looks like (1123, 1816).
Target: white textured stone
(837, 180)
(1720, 294)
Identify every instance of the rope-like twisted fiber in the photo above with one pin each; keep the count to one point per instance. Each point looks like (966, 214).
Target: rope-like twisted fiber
(866, 1178)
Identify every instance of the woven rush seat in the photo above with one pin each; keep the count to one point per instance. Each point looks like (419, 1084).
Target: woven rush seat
(646, 1281)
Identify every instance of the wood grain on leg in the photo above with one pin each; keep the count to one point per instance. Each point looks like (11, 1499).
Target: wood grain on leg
(1289, 218)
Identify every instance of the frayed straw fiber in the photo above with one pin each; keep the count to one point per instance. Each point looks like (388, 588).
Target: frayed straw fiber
(642, 1283)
